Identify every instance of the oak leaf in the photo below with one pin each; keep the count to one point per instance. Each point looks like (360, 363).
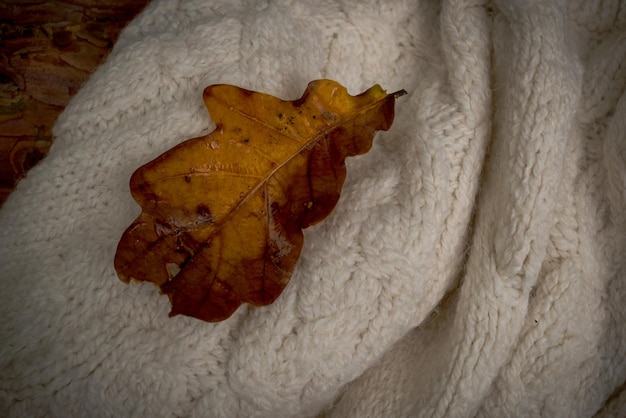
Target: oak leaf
(223, 214)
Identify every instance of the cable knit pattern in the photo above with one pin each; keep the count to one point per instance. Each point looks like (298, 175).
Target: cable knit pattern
(474, 265)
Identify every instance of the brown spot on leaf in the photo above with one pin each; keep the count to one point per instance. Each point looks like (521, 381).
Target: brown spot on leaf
(204, 214)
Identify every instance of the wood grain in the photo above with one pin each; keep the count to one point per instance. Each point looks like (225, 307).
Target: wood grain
(47, 51)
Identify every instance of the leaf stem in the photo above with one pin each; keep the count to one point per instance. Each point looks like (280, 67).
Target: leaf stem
(399, 93)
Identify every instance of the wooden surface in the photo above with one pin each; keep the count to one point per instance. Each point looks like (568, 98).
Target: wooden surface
(47, 50)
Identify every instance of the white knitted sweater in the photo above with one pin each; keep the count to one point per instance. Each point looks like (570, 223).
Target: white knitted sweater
(474, 266)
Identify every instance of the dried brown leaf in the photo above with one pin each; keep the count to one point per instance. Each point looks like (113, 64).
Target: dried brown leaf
(223, 214)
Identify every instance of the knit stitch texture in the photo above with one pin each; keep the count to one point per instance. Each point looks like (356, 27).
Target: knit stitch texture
(474, 265)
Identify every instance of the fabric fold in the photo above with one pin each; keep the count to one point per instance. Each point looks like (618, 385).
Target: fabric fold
(472, 267)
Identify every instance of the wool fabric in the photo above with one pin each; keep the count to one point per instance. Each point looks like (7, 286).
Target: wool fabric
(474, 265)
